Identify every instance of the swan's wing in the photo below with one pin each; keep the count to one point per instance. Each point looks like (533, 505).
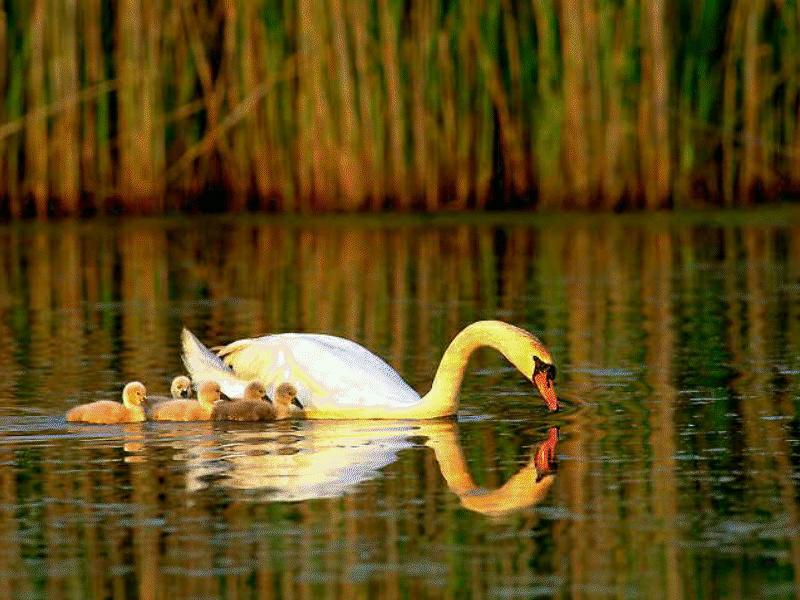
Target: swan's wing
(204, 365)
(246, 364)
(329, 372)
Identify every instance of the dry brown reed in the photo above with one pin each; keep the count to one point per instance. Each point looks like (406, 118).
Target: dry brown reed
(345, 106)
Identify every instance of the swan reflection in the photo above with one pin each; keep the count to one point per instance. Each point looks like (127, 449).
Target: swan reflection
(305, 460)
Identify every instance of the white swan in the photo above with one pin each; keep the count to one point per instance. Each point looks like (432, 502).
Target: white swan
(339, 379)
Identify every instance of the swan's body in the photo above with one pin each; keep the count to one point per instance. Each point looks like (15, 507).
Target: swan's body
(339, 379)
(189, 410)
(179, 389)
(134, 395)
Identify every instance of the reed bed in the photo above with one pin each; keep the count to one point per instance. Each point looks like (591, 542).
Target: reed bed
(305, 106)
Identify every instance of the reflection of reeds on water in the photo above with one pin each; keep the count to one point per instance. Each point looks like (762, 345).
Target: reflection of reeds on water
(143, 106)
(658, 302)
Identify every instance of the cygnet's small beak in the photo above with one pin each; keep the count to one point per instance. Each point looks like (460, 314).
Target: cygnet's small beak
(184, 394)
(144, 399)
(223, 396)
(297, 403)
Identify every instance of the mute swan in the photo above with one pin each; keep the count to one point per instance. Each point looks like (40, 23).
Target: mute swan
(180, 388)
(340, 379)
(256, 406)
(131, 410)
(189, 410)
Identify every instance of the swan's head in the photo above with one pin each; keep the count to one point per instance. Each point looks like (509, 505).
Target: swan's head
(520, 347)
(134, 394)
(209, 392)
(181, 387)
(544, 375)
(286, 394)
(255, 390)
(531, 357)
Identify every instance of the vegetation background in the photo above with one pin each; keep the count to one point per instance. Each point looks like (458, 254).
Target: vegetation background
(301, 106)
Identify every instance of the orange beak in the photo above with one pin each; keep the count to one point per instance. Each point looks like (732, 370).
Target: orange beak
(546, 389)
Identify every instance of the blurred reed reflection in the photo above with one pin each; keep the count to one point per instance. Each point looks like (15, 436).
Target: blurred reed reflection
(678, 451)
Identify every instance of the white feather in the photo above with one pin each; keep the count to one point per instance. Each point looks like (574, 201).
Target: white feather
(328, 371)
(204, 365)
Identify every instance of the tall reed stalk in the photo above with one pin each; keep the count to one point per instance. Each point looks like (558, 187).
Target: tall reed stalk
(302, 105)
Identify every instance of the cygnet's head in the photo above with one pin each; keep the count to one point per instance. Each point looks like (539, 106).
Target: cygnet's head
(134, 393)
(181, 387)
(255, 390)
(209, 392)
(287, 394)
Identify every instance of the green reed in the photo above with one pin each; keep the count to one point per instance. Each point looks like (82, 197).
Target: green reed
(350, 106)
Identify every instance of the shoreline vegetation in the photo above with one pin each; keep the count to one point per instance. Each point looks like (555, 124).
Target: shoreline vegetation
(300, 107)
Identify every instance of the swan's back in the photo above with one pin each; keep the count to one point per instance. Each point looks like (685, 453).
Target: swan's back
(329, 372)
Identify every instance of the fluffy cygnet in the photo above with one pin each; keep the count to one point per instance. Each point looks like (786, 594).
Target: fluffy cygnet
(179, 389)
(286, 403)
(255, 406)
(134, 396)
(189, 410)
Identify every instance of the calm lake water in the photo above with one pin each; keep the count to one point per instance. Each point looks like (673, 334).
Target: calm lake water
(675, 460)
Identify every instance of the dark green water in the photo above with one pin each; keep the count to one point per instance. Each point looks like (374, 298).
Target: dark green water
(676, 457)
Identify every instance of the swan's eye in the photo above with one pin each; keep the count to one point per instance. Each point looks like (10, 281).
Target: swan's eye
(540, 365)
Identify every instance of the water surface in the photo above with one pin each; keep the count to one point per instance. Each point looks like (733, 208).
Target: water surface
(672, 472)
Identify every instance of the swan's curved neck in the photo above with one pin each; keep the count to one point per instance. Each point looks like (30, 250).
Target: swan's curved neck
(516, 344)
